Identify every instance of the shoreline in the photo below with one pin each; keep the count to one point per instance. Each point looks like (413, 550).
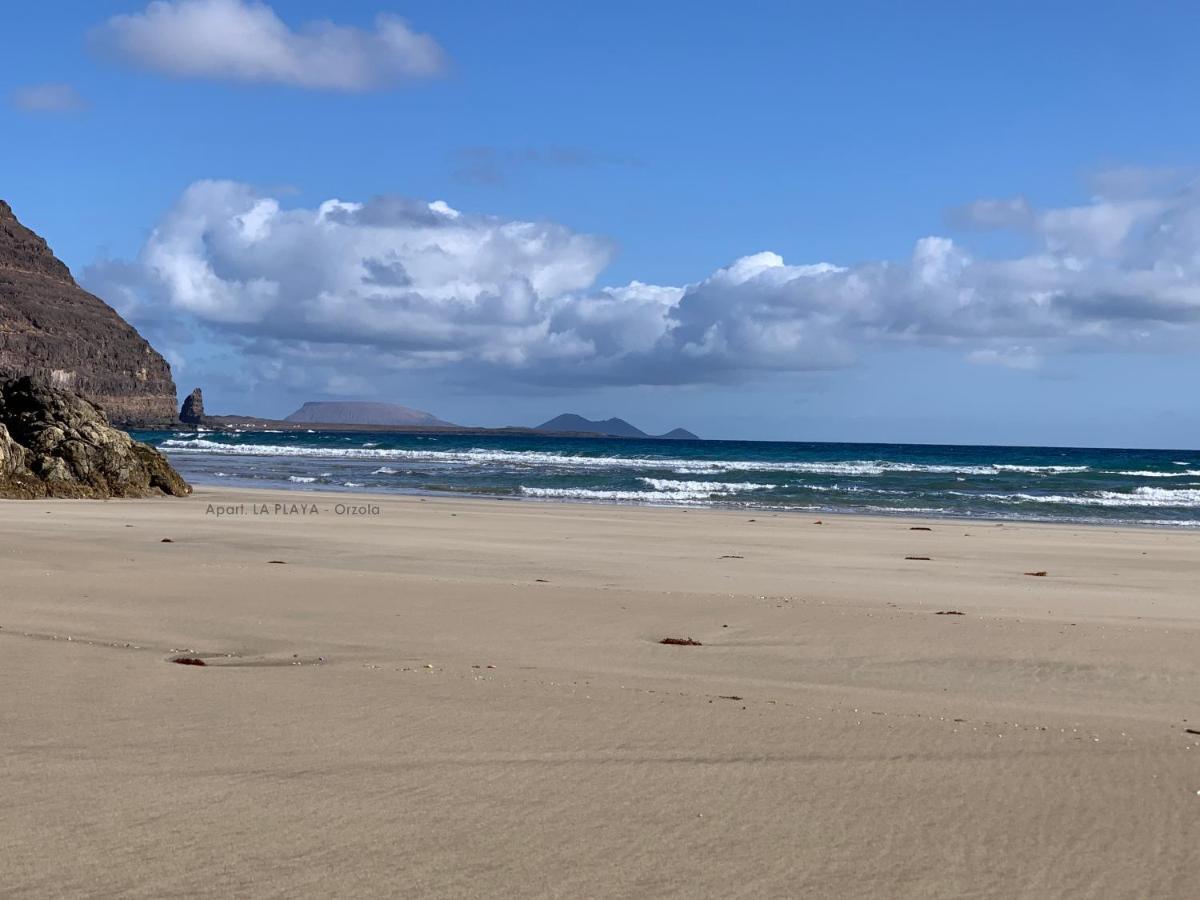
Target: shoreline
(717, 506)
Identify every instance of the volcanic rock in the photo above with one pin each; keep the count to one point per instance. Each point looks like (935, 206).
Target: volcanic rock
(57, 444)
(192, 411)
(53, 329)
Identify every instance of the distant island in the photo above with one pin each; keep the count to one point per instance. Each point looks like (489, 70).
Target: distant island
(570, 422)
(346, 412)
(356, 415)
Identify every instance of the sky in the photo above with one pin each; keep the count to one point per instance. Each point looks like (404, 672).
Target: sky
(923, 222)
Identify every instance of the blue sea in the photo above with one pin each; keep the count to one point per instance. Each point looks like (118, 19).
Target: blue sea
(1152, 487)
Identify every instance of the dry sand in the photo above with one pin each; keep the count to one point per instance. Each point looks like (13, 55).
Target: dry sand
(832, 737)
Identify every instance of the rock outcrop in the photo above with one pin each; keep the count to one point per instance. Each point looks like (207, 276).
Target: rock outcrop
(192, 411)
(53, 329)
(57, 444)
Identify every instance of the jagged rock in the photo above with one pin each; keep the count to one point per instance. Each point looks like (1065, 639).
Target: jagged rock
(192, 411)
(57, 444)
(51, 328)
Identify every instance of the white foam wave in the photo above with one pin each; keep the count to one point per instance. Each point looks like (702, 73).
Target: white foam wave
(627, 496)
(1150, 474)
(528, 458)
(1143, 497)
(711, 487)
(301, 479)
(1041, 470)
(385, 470)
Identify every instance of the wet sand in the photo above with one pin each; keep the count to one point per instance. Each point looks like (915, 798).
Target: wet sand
(468, 698)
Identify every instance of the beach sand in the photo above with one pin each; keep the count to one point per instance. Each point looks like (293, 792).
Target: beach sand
(833, 736)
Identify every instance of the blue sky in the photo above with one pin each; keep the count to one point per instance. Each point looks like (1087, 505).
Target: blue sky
(647, 143)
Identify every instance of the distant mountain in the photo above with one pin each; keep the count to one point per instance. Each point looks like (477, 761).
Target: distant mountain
(609, 428)
(358, 413)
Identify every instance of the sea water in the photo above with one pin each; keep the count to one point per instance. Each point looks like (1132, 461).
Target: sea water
(1155, 487)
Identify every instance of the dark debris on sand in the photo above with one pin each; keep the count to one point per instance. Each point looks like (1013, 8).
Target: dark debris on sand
(681, 642)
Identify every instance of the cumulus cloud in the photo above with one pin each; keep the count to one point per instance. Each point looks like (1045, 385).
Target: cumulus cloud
(403, 276)
(48, 98)
(242, 40)
(396, 283)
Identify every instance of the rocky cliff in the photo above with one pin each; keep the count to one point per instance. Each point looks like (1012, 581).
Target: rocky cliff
(57, 444)
(53, 329)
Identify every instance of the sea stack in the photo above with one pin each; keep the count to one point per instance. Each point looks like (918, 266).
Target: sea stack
(53, 329)
(192, 411)
(57, 444)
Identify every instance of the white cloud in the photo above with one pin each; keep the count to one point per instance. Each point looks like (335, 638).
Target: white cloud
(395, 283)
(242, 40)
(406, 277)
(48, 98)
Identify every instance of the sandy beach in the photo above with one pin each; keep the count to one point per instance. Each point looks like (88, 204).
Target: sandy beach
(468, 698)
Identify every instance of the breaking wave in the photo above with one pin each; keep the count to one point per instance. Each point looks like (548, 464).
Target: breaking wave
(1144, 487)
(1143, 496)
(483, 456)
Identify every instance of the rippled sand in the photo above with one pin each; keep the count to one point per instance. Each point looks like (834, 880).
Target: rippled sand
(461, 698)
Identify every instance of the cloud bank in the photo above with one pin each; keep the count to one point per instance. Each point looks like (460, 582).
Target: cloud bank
(397, 283)
(237, 40)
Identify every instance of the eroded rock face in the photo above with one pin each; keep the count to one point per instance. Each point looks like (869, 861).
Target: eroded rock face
(192, 411)
(57, 444)
(53, 329)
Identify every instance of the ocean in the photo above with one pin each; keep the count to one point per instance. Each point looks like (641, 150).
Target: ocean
(1149, 487)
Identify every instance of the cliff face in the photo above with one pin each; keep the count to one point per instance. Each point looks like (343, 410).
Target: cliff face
(52, 328)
